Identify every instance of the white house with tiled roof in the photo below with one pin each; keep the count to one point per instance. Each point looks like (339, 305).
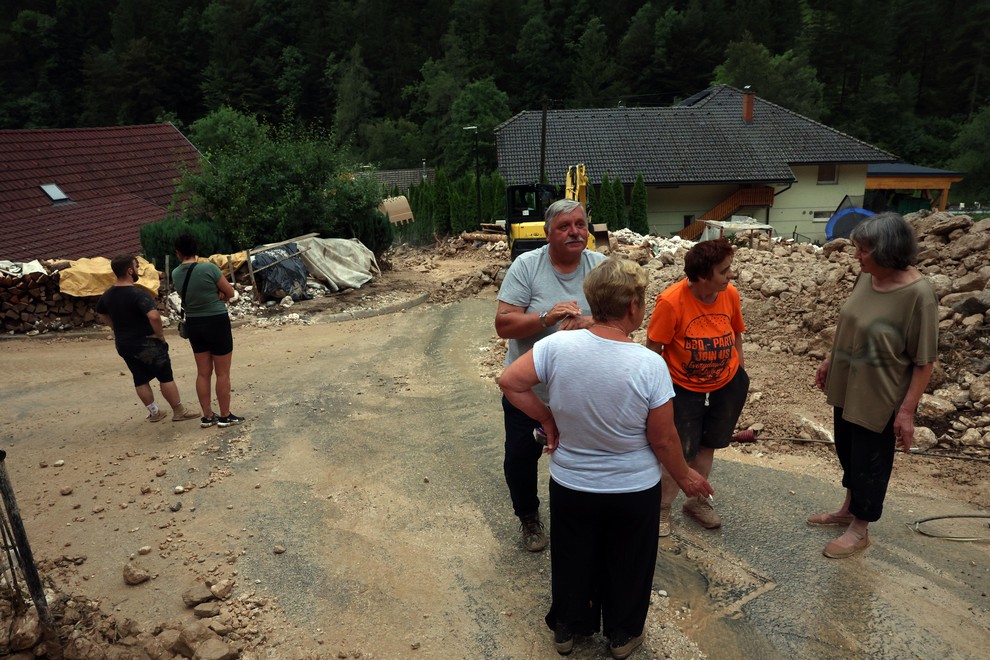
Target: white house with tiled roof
(720, 153)
(86, 192)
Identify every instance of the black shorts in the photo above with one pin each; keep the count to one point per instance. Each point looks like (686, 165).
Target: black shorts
(210, 334)
(708, 419)
(147, 360)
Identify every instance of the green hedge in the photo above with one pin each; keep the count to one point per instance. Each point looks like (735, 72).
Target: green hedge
(158, 239)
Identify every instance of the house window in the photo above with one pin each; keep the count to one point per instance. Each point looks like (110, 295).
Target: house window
(828, 174)
(54, 192)
(822, 216)
(688, 219)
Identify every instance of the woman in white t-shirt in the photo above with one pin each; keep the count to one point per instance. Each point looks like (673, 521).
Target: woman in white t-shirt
(611, 425)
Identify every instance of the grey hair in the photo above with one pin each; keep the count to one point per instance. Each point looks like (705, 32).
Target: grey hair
(890, 237)
(560, 207)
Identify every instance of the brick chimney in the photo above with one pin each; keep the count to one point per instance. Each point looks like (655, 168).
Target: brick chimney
(747, 108)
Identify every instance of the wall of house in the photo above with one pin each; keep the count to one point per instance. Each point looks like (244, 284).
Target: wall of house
(795, 208)
(668, 206)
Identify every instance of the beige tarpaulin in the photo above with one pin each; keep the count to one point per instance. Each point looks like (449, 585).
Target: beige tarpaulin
(237, 260)
(341, 263)
(91, 277)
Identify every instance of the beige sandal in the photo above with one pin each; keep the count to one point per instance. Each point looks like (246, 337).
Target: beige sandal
(835, 551)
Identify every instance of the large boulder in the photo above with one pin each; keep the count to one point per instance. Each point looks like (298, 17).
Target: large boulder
(966, 245)
(946, 224)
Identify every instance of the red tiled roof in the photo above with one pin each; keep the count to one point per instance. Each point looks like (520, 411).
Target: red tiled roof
(117, 179)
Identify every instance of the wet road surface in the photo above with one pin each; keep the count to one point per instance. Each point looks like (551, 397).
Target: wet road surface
(768, 591)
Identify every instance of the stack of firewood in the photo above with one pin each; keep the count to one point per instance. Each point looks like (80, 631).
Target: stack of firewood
(34, 302)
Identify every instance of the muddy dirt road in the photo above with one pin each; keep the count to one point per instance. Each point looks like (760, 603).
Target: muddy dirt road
(361, 510)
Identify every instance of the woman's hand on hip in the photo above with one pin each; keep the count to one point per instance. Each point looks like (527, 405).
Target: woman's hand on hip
(553, 435)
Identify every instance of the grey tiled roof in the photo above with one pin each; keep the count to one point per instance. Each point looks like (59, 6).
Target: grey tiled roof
(702, 140)
(402, 179)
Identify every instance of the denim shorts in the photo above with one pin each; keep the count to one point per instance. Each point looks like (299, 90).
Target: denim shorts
(707, 419)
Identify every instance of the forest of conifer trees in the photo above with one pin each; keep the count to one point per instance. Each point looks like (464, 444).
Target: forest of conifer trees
(395, 82)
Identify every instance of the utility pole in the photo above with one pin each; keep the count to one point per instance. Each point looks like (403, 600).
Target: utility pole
(477, 169)
(543, 143)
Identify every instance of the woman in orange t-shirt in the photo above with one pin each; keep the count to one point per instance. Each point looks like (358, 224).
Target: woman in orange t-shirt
(697, 327)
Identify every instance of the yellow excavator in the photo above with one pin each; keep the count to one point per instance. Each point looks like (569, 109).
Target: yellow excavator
(526, 204)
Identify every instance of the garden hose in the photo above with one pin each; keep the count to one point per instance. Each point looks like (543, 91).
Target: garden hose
(916, 526)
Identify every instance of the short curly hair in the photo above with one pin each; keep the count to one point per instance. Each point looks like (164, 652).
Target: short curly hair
(700, 261)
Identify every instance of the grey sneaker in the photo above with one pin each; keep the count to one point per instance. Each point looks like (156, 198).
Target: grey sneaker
(664, 521)
(534, 538)
(701, 510)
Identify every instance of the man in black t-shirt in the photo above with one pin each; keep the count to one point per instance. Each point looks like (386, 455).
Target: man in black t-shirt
(140, 339)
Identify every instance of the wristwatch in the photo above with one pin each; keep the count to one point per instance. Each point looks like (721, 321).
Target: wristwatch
(543, 318)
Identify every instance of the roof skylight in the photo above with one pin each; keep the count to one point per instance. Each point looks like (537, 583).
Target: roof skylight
(54, 192)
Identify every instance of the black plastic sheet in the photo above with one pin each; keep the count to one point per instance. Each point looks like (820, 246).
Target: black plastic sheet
(287, 277)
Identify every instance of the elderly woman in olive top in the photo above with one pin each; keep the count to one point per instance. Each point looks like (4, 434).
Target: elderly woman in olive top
(886, 344)
(611, 426)
(210, 336)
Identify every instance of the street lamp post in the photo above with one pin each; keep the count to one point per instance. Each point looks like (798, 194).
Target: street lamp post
(477, 169)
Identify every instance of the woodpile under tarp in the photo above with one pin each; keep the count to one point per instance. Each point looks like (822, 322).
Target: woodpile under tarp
(59, 295)
(33, 302)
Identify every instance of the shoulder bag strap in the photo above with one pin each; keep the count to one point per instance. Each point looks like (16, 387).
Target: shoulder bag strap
(185, 287)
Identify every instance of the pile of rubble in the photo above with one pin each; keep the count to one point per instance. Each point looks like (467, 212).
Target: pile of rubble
(226, 627)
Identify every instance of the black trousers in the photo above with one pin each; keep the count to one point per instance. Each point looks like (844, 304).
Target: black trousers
(603, 552)
(867, 459)
(522, 457)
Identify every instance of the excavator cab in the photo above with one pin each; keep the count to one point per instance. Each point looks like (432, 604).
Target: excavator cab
(526, 205)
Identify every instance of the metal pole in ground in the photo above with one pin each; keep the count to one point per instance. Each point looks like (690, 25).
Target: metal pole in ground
(22, 548)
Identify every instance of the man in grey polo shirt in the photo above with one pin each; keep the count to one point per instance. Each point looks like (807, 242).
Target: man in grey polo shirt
(543, 292)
